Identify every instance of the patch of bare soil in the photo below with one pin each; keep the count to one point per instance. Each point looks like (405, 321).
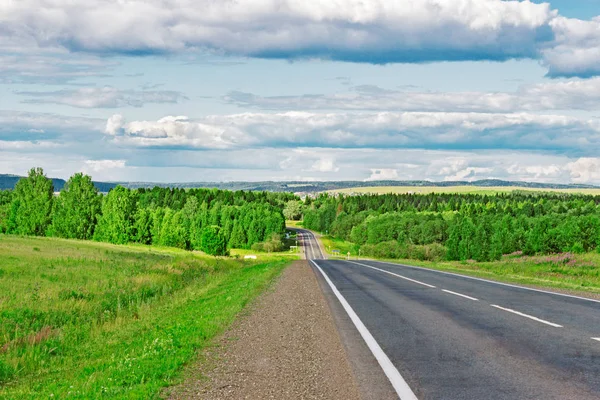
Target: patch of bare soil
(286, 347)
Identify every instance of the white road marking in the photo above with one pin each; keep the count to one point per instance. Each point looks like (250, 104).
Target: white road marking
(461, 295)
(596, 338)
(528, 316)
(309, 237)
(391, 273)
(488, 281)
(402, 389)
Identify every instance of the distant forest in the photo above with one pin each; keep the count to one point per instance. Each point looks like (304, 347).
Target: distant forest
(210, 220)
(9, 182)
(459, 226)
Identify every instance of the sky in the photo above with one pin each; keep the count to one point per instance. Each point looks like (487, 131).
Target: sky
(251, 90)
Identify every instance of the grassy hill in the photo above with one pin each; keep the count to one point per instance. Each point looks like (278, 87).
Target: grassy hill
(92, 320)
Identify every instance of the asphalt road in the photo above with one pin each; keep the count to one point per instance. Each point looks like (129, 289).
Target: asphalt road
(454, 337)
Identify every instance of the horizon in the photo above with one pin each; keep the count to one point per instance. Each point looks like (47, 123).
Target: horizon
(367, 183)
(364, 91)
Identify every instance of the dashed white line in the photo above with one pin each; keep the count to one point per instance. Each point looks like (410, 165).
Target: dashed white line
(400, 386)
(461, 295)
(486, 280)
(391, 273)
(596, 338)
(528, 316)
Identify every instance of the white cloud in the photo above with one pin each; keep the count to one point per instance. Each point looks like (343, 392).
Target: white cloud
(469, 174)
(427, 130)
(100, 165)
(383, 174)
(584, 170)
(576, 50)
(373, 31)
(114, 125)
(29, 64)
(324, 165)
(357, 30)
(103, 97)
(575, 94)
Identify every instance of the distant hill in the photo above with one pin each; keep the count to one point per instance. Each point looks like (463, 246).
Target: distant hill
(9, 181)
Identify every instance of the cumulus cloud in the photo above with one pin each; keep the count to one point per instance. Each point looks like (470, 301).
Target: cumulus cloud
(424, 130)
(584, 170)
(324, 165)
(383, 174)
(354, 30)
(372, 31)
(103, 97)
(575, 94)
(576, 50)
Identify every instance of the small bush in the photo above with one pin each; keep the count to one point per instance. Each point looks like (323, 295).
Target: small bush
(258, 247)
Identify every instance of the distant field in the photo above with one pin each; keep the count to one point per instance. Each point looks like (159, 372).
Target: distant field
(456, 189)
(94, 320)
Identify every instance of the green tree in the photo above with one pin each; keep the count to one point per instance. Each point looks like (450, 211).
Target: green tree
(213, 241)
(238, 236)
(31, 211)
(76, 209)
(293, 210)
(116, 225)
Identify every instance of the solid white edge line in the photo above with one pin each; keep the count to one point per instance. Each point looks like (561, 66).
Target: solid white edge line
(487, 280)
(461, 295)
(528, 316)
(596, 338)
(391, 273)
(400, 386)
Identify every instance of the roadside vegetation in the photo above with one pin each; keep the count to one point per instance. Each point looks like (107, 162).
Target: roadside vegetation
(209, 220)
(89, 320)
(108, 295)
(543, 237)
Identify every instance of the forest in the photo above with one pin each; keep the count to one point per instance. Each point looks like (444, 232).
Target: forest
(434, 226)
(459, 226)
(210, 220)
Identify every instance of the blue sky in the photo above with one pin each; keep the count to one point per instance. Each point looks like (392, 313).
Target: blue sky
(183, 90)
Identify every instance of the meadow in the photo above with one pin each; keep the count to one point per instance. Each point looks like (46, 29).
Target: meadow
(82, 319)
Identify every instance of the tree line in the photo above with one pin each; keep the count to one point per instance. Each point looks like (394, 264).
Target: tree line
(459, 226)
(210, 220)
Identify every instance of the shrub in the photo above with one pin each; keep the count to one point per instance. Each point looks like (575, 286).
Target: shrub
(213, 242)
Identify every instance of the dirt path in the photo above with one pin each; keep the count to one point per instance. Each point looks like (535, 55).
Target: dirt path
(287, 347)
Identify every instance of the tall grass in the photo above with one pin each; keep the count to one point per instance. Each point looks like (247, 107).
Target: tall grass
(91, 320)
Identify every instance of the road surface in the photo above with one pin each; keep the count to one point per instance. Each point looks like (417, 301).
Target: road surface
(446, 336)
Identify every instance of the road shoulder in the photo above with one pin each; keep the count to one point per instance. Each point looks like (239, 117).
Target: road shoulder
(286, 346)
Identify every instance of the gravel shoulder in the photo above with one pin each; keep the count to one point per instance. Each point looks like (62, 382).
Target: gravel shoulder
(285, 346)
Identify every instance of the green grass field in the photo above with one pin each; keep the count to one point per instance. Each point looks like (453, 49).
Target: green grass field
(93, 320)
(330, 244)
(456, 189)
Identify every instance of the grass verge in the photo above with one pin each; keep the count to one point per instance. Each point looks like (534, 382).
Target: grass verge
(574, 273)
(92, 320)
